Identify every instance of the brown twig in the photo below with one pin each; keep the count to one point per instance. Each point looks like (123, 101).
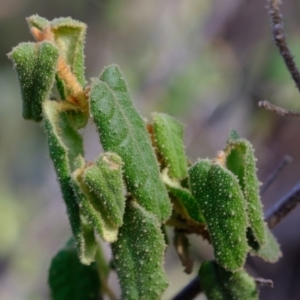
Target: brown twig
(285, 160)
(280, 39)
(283, 207)
(277, 109)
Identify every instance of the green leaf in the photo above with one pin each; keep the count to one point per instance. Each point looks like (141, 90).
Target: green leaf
(38, 22)
(270, 251)
(69, 37)
(222, 203)
(122, 131)
(240, 161)
(89, 247)
(35, 64)
(184, 202)
(69, 279)
(168, 133)
(65, 145)
(138, 255)
(100, 193)
(220, 284)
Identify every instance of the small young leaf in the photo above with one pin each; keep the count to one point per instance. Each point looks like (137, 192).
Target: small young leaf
(220, 284)
(222, 203)
(168, 133)
(38, 22)
(138, 255)
(123, 131)
(35, 64)
(69, 279)
(69, 37)
(240, 161)
(184, 202)
(100, 193)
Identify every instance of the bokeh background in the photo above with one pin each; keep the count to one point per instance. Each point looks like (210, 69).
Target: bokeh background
(207, 63)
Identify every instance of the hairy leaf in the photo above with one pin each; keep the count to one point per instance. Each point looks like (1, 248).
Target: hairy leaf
(168, 133)
(35, 64)
(138, 255)
(220, 284)
(69, 36)
(69, 279)
(184, 202)
(240, 161)
(222, 203)
(122, 131)
(37, 22)
(65, 145)
(270, 251)
(100, 193)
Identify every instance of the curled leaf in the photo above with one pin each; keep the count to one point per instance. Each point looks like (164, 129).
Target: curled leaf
(65, 145)
(240, 161)
(35, 64)
(168, 134)
(222, 203)
(100, 193)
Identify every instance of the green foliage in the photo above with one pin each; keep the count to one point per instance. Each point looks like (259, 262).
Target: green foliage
(240, 161)
(99, 189)
(35, 64)
(220, 284)
(221, 201)
(138, 255)
(168, 134)
(140, 184)
(69, 279)
(123, 131)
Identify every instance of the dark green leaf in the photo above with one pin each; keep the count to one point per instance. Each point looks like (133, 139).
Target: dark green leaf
(138, 255)
(69, 279)
(122, 131)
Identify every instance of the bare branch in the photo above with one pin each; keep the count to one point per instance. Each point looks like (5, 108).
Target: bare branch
(285, 160)
(280, 39)
(277, 109)
(283, 207)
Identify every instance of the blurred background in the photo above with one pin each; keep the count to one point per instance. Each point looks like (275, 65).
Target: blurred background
(207, 63)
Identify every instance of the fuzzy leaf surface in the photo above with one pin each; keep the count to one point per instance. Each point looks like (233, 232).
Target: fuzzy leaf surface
(222, 203)
(69, 36)
(270, 251)
(138, 255)
(35, 64)
(122, 131)
(69, 279)
(220, 284)
(100, 193)
(65, 145)
(184, 202)
(240, 161)
(168, 133)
